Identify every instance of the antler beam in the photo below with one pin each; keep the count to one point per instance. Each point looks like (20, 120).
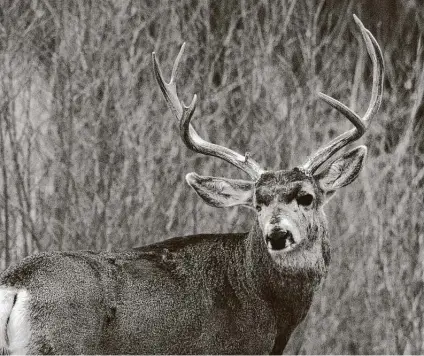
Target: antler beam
(361, 124)
(188, 134)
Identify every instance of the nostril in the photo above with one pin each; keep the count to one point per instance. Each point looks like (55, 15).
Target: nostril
(279, 239)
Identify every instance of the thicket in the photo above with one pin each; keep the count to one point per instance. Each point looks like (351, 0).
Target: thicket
(90, 157)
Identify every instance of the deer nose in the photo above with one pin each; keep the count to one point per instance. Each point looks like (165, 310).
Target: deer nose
(279, 239)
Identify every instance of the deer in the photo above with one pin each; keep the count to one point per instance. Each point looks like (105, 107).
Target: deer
(235, 293)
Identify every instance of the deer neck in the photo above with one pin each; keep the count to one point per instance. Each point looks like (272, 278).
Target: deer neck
(294, 279)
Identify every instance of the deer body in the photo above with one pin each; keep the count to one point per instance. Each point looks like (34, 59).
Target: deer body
(204, 294)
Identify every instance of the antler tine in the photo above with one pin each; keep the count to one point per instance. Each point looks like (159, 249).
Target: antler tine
(169, 90)
(361, 124)
(188, 134)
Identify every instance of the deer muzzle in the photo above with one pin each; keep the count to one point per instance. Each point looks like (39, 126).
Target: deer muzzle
(279, 239)
(281, 236)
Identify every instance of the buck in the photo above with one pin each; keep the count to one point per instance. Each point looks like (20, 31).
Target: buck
(240, 293)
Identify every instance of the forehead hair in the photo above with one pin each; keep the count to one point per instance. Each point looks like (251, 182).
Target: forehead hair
(285, 184)
(283, 178)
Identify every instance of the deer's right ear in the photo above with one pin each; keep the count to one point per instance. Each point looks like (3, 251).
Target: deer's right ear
(222, 192)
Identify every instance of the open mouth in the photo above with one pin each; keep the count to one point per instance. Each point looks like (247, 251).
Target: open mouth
(279, 240)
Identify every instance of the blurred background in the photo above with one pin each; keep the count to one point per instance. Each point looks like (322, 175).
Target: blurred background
(90, 157)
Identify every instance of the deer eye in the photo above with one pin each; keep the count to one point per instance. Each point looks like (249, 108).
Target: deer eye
(305, 200)
(263, 199)
(258, 208)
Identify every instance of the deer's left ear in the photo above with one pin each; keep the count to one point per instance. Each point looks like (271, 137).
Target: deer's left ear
(342, 171)
(222, 192)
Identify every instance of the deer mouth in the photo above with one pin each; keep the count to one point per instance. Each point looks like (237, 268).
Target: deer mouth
(279, 240)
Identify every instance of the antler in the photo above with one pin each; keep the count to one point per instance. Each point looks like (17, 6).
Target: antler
(361, 124)
(188, 134)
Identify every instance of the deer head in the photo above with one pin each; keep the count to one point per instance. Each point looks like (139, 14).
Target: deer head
(288, 203)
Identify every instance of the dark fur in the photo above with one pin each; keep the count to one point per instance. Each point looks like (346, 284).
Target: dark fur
(203, 294)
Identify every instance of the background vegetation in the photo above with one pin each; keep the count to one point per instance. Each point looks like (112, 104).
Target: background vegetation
(90, 157)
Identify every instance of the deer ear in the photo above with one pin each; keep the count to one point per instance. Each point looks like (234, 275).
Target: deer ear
(222, 192)
(342, 171)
